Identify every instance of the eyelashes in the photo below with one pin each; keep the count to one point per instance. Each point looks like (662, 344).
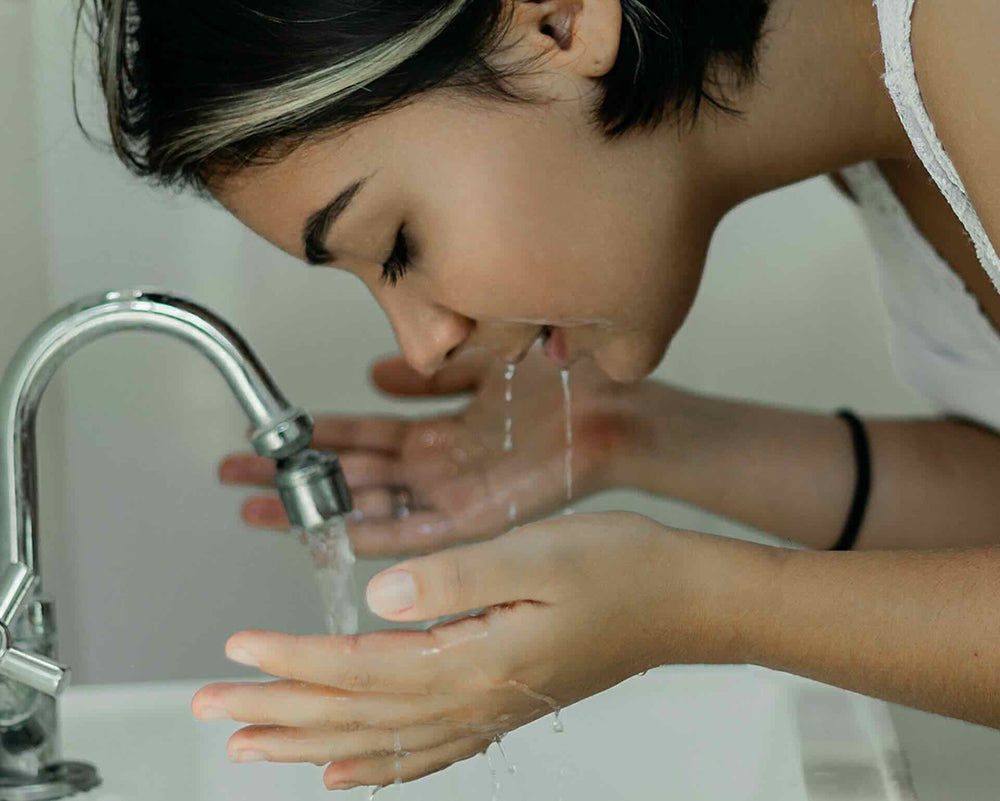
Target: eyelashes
(399, 260)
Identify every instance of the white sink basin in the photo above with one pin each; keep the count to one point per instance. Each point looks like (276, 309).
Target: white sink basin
(691, 734)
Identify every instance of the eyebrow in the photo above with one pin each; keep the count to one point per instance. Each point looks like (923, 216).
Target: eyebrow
(317, 227)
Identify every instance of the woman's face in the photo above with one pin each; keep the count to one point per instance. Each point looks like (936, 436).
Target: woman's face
(516, 218)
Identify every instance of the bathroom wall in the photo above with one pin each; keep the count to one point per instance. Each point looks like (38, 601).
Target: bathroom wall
(26, 295)
(22, 246)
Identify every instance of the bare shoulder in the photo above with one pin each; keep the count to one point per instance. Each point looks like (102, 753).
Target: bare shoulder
(956, 50)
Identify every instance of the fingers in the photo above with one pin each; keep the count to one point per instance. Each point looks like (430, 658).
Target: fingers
(515, 567)
(323, 745)
(361, 468)
(245, 468)
(265, 511)
(369, 469)
(376, 534)
(283, 703)
(409, 767)
(420, 532)
(370, 446)
(380, 662)
(376, 505)
(468, 655)
(395, 376)
(300, 705)
(359, 433)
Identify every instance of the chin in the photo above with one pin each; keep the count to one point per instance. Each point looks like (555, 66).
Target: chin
(624, 370)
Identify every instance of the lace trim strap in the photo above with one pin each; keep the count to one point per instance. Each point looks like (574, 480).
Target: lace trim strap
(895, 19)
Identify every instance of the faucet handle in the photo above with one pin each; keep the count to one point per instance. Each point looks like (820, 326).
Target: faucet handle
(38, 672)
(33, 670)
(15, 584)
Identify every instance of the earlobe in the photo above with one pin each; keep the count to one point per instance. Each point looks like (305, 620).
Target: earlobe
(581, 35)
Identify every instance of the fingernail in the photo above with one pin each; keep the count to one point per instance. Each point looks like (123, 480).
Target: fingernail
(392, 592)
(212, 713)
(248, 756)
(242, 656)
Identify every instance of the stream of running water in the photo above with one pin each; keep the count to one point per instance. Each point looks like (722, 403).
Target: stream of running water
(333, 562)
(508, 429)
(568, 417)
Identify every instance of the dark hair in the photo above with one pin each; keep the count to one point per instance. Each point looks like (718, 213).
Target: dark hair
(199, 87)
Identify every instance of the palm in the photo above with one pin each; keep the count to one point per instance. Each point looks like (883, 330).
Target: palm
(423, 484)
(459, 464)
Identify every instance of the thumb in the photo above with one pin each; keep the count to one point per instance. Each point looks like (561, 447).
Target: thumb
(516, 566)
(395, 377)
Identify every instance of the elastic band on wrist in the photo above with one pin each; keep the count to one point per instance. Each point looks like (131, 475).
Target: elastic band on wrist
(862, 486)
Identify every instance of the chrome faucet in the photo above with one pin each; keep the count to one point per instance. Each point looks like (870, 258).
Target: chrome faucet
(311, 485)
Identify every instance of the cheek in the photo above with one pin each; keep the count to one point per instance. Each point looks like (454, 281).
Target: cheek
(491, 263)
(510, 227)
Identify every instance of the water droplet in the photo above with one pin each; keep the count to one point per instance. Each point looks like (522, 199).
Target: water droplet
(508, 423)
(549, 701)
(398, 763)
(493, 775)
(511, 767)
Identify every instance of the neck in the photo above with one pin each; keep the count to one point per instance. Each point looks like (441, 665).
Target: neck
(818, 104)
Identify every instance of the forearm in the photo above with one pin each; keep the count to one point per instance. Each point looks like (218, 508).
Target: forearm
(934, 482)
(918, 628)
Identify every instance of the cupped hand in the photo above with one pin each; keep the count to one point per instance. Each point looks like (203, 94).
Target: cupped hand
(574, 605)
(423, 484)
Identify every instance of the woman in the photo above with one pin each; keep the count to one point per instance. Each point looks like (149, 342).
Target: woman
(501, 171)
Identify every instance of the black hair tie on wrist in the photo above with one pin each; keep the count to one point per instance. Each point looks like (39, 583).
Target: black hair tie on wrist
(862, 487)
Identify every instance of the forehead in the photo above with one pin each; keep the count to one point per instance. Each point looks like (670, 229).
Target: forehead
(275, 198)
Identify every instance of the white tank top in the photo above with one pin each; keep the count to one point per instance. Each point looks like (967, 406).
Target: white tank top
(942, 344)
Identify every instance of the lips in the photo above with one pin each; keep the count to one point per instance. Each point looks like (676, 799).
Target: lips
(553, 343)
(556, 346)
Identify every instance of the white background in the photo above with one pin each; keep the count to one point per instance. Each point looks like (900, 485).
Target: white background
(144, 551)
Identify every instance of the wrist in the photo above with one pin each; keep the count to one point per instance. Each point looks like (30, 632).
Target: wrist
(726, 588)
(670, 432)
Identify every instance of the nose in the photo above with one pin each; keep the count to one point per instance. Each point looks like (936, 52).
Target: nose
(427, 333)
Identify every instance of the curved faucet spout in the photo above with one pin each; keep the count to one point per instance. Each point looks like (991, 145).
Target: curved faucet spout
(279, 429)
(311, 485)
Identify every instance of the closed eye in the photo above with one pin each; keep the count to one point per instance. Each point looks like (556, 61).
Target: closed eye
(398, 262)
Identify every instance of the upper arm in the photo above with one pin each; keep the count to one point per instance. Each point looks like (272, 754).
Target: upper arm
(956, 50)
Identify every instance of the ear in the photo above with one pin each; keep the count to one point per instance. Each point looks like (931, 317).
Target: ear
(581, 36)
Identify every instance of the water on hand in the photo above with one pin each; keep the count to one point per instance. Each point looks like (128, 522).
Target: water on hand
(508, 428)
(397, 763)
(333, 560)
